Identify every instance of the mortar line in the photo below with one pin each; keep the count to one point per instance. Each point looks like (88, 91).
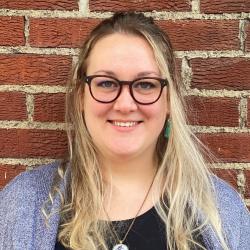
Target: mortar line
(62, 126)
(33, 89)
(247, 201)
(30, 106)
(235, 166)
(241, 182)
(75, 51)
(39, 51)
(84, 7)
(26, 30)
(214, 129)
(85, 13)
(195, 6)
(34, 161)
(243, 112)
(242, 34)
(218, 93)
(211, 54)
(186, 73)
(32, 125)
(26, 161)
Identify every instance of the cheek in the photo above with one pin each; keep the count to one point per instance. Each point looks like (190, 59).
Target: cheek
(157, 112)
(93, 110)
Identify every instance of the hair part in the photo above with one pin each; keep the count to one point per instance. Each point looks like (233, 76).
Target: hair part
(184, 180)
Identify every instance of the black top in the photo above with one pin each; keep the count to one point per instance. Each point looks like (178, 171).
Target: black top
(147, 233)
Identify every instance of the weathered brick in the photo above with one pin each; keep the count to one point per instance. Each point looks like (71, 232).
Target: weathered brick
(51, 32)
(31, 143)
(208, 111)
(185, 35)
(12, 106)
(8, 172)
(39, 5)
(229, 175)
(228, 147)
(49, 107)
(248, 113)
(11, 31)
(145, 5)
(247, 186)
(221, 73)
(224, 6)
(247, 30)
(202, 34)
(34, 69)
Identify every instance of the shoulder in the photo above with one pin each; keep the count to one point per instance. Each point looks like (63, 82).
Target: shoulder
(28, 183)
(234, 214)
(227, 197)
(20, 204)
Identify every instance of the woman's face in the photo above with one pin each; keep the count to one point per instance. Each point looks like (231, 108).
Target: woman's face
(124, 128)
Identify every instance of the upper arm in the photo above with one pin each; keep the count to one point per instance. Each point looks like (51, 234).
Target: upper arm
(244, 241)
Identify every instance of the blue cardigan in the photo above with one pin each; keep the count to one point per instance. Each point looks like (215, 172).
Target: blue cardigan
(22, 223)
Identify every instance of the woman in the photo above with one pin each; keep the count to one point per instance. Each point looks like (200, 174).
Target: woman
(135, 179)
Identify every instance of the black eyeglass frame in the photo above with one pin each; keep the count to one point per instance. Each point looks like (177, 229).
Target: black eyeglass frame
(163, 82)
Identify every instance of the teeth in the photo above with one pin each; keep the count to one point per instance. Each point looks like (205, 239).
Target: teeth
(124, 124)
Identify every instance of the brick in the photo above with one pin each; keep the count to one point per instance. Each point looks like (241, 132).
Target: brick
(228, 147)
(206, 111)
(202, 34)
(247, 186)
(51, 32)
(185, 35)
(12, 106)
(248, 113)
(144, 5)
(39, 5)
(229, 175)
(224, 6)
(22, 143)
(178, 65)
(221, 73)
(11, 31)
(247, 30)
(34, 69)
(49, 107)
(8, 172)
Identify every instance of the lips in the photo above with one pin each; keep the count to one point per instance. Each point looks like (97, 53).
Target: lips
(124, 123)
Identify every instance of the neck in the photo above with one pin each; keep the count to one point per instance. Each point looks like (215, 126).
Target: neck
(129, 171)
(126, 185)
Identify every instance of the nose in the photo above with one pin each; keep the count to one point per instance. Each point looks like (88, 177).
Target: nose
(125, 103)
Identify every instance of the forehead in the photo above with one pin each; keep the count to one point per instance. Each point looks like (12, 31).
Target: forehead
(122, 51)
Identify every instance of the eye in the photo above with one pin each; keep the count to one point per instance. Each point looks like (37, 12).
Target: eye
(144, 85)
(107, 84)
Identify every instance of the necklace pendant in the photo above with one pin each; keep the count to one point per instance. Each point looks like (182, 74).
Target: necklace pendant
(120, 247)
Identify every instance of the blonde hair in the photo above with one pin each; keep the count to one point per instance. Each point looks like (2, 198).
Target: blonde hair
(187, 204)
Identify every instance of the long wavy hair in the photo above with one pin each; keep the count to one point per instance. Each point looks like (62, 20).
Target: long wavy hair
(187, 204)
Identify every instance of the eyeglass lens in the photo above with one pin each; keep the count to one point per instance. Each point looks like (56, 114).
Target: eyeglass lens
(107, 89)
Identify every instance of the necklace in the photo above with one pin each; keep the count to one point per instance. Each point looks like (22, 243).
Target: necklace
(121, 245)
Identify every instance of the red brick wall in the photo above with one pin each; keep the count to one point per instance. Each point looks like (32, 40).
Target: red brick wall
(39, 41)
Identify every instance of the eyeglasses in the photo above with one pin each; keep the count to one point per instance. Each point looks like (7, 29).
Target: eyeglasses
(106, 89)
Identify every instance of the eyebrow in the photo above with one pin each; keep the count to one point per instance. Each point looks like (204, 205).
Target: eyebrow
(140, 74)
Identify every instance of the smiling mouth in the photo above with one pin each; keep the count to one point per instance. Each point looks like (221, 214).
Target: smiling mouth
(124, 124)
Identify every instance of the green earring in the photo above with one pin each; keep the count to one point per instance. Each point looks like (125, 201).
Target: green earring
(167, 129)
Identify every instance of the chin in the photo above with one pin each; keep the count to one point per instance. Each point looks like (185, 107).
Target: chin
(126, 153)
